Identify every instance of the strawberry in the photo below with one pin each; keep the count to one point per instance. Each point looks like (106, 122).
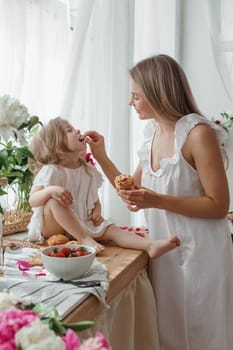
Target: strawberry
(57, 254)
(65, 250)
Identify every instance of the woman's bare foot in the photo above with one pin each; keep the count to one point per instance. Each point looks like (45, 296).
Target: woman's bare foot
(91, 242)
(157, 248)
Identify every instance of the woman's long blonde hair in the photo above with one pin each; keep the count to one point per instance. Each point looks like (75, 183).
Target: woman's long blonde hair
(49, 145)
(165, 86)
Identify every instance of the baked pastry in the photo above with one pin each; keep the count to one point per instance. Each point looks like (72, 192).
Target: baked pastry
(73, 242)
(124, 182)
(57, 239)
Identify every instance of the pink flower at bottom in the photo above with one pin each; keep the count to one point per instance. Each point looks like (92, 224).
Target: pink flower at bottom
(71, 340)
(12, 321)
(96, 343)
(9, 345)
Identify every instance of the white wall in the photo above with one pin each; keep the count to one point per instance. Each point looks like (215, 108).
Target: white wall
(197, 60)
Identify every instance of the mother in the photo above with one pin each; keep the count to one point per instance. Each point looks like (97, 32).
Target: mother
(182, 187)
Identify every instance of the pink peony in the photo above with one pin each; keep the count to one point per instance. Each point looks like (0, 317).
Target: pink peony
(9, 345)
(71, 340)
(96, 343)
(12, 321)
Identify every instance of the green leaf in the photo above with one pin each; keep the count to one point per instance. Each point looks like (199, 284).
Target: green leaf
(4, 159)
(56, 326)
(2, 192)
(79, 326)
(47, 311)
(23, 125)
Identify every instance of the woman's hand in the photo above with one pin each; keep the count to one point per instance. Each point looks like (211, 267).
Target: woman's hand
(139, 198)
(96, 143)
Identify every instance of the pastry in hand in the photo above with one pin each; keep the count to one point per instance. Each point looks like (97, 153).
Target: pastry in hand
(124, 182)
(57, 239)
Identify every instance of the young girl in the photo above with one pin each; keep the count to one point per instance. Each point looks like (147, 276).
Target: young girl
(64, 194)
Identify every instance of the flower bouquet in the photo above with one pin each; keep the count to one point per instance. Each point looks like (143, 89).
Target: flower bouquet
(16, 129)
(38, 327)
(226, 121)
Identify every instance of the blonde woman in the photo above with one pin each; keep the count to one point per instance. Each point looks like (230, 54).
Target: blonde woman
(182, 187)
(64, 195)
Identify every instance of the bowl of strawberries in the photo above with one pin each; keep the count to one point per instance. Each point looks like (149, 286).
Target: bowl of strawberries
(68, 261)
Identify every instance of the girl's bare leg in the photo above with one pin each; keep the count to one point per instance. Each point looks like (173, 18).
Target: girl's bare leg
(58, 220)
(125, 239)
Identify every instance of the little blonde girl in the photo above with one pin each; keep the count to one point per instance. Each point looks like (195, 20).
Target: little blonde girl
(64, 195)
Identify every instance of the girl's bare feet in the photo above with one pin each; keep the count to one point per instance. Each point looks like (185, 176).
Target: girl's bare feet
(91, 242)
(157, 248)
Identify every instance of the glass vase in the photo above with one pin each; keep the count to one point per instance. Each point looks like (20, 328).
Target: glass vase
(23, 192)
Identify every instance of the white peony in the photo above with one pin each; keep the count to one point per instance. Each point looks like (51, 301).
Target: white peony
(7, 301)
(12, 115)
(38, 336)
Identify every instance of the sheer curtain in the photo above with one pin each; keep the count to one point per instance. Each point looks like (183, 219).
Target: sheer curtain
(96, 90)
(221, 31)
(157, 30)
(34, 40)
(83, 74)
(109, 37)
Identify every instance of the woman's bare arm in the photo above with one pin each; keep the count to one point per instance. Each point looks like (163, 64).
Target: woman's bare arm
(97, 145)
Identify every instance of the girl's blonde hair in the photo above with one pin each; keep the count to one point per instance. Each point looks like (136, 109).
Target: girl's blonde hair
(165, 86)
(49, 145)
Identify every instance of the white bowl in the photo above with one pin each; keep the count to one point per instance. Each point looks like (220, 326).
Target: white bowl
(68, 268)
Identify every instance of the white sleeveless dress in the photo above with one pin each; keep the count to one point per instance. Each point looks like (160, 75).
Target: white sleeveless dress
(84, 189)
(193, 284)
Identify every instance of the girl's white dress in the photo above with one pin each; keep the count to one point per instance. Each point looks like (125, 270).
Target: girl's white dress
(82, 183)
(193, 284)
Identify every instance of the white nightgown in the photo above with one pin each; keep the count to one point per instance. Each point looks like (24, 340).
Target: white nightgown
(82, 186)
(193, 284)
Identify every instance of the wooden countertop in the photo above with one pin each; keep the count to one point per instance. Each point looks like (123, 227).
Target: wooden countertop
(123, 265)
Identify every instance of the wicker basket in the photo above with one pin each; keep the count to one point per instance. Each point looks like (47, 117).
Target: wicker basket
(15, 221)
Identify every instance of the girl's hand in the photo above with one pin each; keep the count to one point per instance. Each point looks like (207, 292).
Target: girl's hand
(62, 195)
(139, 198)
(96, 216)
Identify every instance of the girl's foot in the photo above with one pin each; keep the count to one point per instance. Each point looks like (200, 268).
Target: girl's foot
(157, 248)
(91, 242)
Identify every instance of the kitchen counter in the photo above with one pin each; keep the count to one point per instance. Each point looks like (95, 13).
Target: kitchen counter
(123, 266)
(130, 320)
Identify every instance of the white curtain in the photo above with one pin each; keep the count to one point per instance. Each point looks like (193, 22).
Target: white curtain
(34, 40)
(221, 32)
(157, 30)
(83, 74)
(96, 91)
(109, 37)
